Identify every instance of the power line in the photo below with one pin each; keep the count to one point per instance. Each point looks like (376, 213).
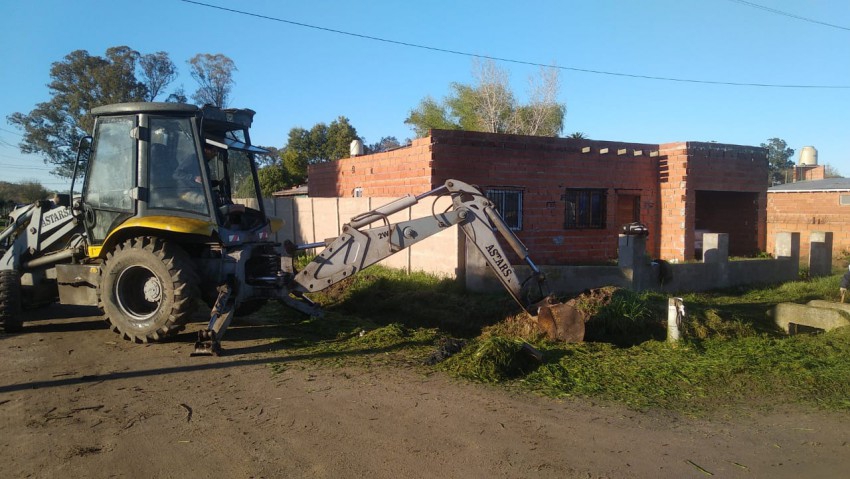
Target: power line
(506, 60)
(10, 131)
(791, 15)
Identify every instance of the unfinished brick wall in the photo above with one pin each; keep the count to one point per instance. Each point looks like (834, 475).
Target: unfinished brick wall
(676, 202)
(389, 174)
(732, 179)
(809, 172)
(543, 168)
(662, 181)
(809, 211)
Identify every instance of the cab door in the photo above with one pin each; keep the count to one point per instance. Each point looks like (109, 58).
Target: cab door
(110, 190)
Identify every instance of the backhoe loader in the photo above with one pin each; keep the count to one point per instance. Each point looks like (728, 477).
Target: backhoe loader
(170, 213)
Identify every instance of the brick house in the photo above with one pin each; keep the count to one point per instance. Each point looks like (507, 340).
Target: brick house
(568, 198)
(808, 206)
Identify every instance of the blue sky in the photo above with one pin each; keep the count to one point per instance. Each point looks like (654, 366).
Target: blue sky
(297, 76)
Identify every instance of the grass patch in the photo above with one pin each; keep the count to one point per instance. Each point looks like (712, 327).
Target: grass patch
(732, 354)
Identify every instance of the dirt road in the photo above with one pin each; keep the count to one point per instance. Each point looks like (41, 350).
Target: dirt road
(76, 401)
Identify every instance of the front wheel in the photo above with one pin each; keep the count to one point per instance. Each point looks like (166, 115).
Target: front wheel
(148, 289)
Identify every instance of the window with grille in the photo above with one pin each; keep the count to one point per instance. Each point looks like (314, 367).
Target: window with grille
(585, 208)
(508, 203)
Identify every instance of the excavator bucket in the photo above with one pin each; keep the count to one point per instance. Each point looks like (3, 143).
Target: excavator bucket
(560, 321)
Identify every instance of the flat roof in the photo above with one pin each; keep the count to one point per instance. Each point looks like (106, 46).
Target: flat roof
(828, 184)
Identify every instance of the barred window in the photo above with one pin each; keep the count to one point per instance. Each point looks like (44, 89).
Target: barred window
(585, 208)
(508, 203)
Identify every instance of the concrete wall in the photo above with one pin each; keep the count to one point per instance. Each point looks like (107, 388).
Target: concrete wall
(311, 220)
(450, 254)
(641, 275)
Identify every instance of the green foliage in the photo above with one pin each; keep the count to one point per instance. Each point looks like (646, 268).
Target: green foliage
(493, 359)
(428, 115)
(491, 106)
(779, 159)
(320, 144)
(273, 178)
(81, 82)
(157, 72)
(731, 354)
(25, 192)
(704, 375)
(628, 318)
(384, 144)
(214, 74)
(78, 83)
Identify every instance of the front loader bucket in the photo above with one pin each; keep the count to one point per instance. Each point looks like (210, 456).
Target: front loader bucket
(560, 321)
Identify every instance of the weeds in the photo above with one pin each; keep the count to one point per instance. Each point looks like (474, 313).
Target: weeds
(732, 353)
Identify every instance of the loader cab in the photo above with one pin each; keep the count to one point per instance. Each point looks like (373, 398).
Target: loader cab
(171, 167)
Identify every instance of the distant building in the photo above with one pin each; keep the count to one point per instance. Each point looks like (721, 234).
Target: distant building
(568, 198)
(294, 192)
(807, 206)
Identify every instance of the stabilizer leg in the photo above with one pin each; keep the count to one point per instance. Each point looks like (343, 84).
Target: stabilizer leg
(209, 340)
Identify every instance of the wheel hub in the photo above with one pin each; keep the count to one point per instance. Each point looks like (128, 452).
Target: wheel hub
(138, 292)
(152, 290)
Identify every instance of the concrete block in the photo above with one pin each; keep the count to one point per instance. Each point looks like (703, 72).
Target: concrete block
(788, 246)
(715, 247)
(826, 318)
(820, 253)
(632, 251)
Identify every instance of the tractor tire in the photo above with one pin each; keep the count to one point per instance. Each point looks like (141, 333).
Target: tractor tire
(10, 301)
(148, 289)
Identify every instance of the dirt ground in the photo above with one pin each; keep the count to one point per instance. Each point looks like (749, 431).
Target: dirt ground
(77, 401)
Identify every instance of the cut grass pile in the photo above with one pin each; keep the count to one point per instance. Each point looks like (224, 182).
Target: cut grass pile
(732, 354)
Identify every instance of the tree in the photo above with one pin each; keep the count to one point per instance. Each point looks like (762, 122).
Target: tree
(384, 144)
(273, 178)
(778, 156)
(577, 136)
(157, 72)
(491, 106)
(430, 114)
(25, 192)
(79, 83)
(320, 144)
(179, 96)
(214, 74)
(340, 134)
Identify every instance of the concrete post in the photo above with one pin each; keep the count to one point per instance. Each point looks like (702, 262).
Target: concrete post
(675, 316)
(820, 253)
(632, 251)
(715, 247)
(788, 246)
(632, 260)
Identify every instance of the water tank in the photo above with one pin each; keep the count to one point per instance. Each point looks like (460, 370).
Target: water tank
(356, 148)
(808, 156)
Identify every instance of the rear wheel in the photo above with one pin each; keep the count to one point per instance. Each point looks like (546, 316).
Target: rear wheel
(148, 289)
(10, 301)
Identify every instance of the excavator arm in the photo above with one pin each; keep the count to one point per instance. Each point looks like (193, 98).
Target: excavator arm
(361, 245)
